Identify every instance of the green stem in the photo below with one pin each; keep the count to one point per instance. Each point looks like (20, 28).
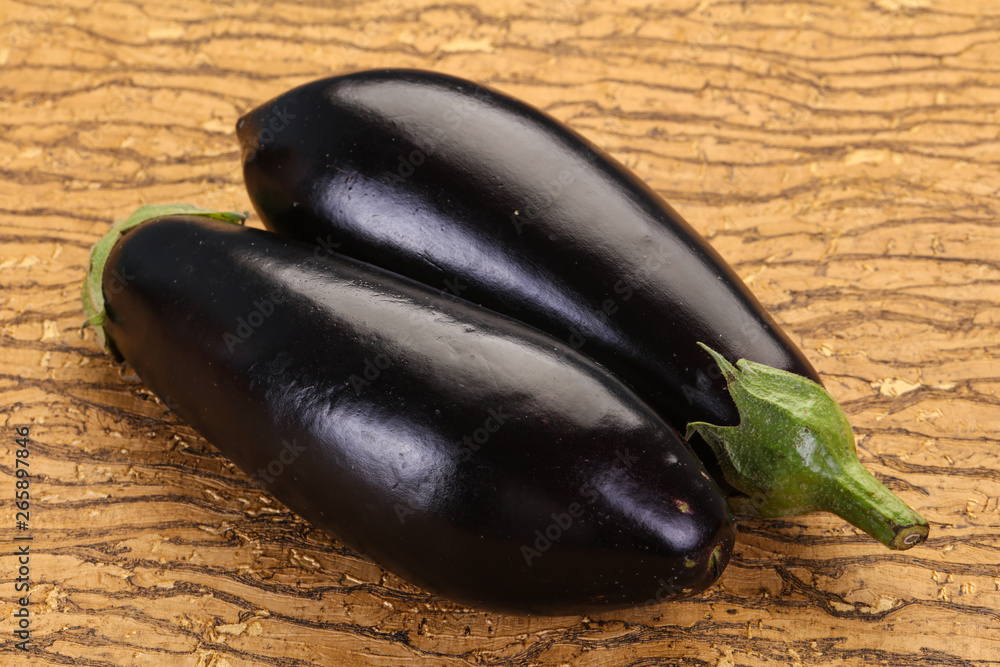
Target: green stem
(866, 503)
(93, 290)
(793, 452)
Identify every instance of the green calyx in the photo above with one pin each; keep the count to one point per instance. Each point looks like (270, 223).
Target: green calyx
(93, 291)
(793, 453)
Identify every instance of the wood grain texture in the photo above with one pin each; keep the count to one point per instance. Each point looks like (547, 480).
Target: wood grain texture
(845, 157)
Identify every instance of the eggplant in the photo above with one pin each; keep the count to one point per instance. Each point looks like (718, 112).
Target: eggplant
(464, 451)
(466, 189)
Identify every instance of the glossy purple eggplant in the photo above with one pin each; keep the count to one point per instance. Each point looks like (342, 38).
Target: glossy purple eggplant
(468, 190)
(464, 451)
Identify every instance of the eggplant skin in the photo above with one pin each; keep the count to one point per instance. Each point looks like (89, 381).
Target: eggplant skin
(464, 451)
(469, 190)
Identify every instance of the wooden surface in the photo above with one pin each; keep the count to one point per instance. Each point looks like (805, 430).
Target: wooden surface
(843, 157)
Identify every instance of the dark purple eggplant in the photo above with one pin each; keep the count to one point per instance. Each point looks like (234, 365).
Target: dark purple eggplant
(466, 189)
(465, 451)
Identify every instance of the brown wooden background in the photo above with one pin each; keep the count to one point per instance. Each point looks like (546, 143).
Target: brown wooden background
(844, 157)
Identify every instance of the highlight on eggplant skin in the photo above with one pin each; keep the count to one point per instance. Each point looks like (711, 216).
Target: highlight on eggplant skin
(469, 190)
(464, 451)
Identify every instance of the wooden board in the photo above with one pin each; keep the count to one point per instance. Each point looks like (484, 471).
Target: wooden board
(843, 156)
